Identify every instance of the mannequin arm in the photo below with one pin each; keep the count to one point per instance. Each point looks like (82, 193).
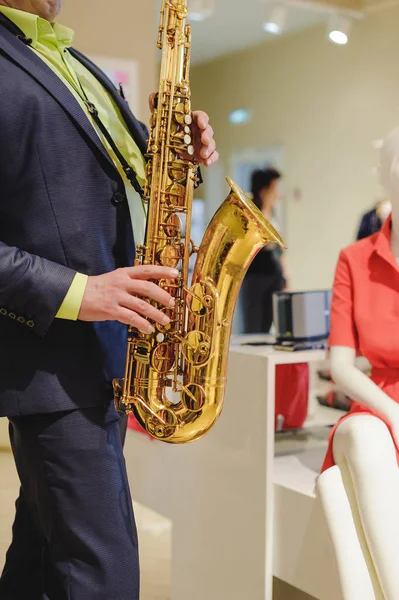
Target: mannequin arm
(359, 386)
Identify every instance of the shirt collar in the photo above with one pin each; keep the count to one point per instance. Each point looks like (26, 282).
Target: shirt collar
(383, 242)
(38, 29)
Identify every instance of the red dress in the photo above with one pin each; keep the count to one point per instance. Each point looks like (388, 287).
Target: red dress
(365, 314)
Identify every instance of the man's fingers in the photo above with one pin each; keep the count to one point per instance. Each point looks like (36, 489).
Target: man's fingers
(128, 317)
(151, 272)
(147, 289)
(120, 295)
(207, 135)
(212, 159)
(144, 309)
(207, 151)
(201, 118)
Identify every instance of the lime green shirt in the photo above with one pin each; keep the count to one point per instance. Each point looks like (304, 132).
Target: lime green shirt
(50, 41)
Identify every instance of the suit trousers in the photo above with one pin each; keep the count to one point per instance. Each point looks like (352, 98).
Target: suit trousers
(74, 534)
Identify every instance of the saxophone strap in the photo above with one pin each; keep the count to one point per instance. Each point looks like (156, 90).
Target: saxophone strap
(14, 29)
(128, 169)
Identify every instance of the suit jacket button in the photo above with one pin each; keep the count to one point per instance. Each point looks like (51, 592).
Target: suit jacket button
(30, 323)
(12, 315)
(3, 312)
(21, 320)
(118, 199)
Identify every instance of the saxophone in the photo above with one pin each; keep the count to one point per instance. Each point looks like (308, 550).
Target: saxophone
(175, 378)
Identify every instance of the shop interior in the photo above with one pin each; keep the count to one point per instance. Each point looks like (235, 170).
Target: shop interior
(309, 88)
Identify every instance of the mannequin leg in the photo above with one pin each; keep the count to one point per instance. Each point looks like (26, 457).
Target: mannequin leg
(365, 454)
(358, 578)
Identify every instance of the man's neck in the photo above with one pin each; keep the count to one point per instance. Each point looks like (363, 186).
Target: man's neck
(5, 3)
(30, 10)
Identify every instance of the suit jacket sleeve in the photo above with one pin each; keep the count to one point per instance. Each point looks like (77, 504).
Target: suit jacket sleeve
(31, 288)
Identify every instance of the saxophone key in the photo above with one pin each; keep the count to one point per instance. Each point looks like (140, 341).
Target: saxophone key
(162, 426)
(172, 226)
(142, 351)
(163, 358)
(196, 348)
(175, 195)
(169, 256)
(181, 137)
(193, 397)
(181, 114)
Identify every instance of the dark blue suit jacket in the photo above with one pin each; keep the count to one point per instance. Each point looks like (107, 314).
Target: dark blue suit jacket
(62, 209)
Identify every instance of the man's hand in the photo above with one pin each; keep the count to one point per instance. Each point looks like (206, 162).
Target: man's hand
(204, 145)
(117, 296)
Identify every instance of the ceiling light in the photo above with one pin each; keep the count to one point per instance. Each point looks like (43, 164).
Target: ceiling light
(239, 116)
(201, 9)
(276, 23)
(339, 28)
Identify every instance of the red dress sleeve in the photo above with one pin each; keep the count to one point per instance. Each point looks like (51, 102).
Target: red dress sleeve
(342, 326)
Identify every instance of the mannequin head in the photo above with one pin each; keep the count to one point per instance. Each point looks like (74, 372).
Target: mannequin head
(389, 178)
(383, 208)
(389, 168)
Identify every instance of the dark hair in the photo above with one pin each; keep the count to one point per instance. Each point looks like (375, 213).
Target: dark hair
(262, 178)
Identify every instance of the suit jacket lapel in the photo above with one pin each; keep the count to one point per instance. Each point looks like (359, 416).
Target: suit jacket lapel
(36, 68)
(134, 126)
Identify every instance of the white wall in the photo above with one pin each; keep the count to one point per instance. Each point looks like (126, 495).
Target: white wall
(325, 104)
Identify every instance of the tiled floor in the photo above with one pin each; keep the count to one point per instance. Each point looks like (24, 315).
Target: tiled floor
(154, 530)
(154, 533)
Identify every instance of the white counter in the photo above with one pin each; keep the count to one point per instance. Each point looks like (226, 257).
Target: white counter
(239, 514)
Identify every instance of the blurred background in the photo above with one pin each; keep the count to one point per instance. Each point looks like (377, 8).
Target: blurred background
(279, 92)
(315, 109)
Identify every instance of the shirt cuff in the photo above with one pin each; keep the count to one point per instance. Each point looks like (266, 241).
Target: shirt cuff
(70, 307)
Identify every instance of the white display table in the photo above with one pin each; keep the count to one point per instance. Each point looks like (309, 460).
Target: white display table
(227, 537)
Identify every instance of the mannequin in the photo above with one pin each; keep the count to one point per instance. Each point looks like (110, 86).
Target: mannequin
(359, 485)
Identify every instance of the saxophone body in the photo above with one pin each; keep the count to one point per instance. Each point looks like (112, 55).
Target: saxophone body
(175, 378)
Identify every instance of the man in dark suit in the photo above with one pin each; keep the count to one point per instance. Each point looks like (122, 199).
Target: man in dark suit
(71, 171)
